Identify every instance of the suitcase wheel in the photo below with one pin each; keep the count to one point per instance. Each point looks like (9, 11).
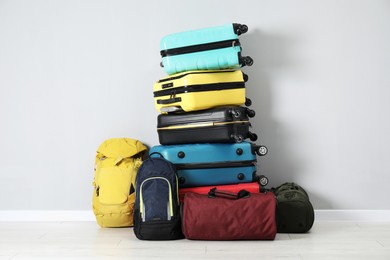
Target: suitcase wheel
(263, 180)
(252, 136)
(250, 112)
(248, 102)
(262, 150)
(246, 61)
(245, 77)
(240, 28)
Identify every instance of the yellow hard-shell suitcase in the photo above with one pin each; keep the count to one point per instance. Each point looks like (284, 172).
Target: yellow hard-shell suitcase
(200, 89)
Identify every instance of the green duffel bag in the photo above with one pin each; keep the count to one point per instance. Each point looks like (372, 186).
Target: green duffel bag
(294, 212)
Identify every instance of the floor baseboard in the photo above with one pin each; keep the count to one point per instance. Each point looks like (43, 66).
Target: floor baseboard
(353, 215)
(87, 215)
(46, 215)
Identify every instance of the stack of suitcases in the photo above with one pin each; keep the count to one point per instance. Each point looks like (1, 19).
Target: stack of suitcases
(204, 121)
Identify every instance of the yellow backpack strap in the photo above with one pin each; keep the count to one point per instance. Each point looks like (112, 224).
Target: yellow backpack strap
(136, 164)
(98, 164)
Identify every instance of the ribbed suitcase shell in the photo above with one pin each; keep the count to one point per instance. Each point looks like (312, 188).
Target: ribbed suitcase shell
(198, 90)
(220, 58)
(211, 164)
(217, 125)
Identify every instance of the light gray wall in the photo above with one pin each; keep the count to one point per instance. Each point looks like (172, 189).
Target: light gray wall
(74, 73)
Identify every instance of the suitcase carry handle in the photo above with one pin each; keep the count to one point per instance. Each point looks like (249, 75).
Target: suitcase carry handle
(214, 192)
(168, 101)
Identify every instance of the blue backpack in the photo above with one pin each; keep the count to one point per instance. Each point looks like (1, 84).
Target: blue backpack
(156, 208)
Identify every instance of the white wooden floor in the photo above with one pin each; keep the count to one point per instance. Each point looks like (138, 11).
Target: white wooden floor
(85, 240)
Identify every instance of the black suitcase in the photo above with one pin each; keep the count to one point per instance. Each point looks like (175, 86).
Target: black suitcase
(218, 125)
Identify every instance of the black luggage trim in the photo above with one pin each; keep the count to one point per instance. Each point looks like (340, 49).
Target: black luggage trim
(202, 124)
(200, 47)
(168, 101)
(199, 88)
(213, 165)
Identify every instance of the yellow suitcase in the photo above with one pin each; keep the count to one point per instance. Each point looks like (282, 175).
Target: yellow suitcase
(200, 89)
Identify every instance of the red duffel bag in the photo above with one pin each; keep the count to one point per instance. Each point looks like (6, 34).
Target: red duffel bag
(224, 215)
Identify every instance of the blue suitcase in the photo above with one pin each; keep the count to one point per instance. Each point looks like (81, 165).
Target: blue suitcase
(204, 49)
(213, 164)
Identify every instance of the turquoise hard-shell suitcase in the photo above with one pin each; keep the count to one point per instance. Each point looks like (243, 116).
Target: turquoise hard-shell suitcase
(212, 164)
(204, 49)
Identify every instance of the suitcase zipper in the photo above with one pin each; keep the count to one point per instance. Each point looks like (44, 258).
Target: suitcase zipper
(205, 124)
(183, 166)
(200, 47)
(199, 88)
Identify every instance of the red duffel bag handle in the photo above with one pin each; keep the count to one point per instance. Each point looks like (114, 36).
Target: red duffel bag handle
(214, 192)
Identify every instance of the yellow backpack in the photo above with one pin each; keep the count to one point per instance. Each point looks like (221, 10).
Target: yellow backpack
(116, 165)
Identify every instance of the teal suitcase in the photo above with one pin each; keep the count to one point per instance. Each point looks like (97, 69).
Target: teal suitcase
(213, 163)
(204, 49)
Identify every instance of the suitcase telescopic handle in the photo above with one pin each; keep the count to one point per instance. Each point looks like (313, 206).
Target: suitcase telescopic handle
(214, 192)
